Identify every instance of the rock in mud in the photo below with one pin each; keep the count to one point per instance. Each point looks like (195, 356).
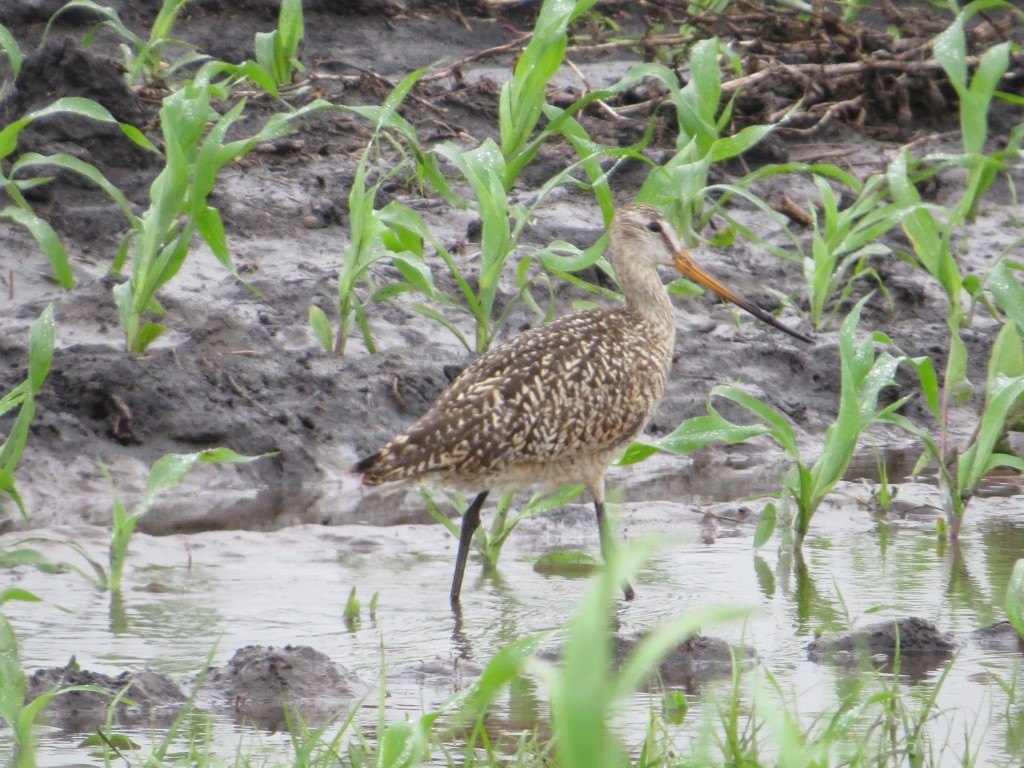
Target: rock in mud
(689, 665)
(147, 697)
(259, 682)
(692, 662)
(1001, 636)
(922, 647)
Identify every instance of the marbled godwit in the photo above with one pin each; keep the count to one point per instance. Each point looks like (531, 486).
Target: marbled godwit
(559, 403)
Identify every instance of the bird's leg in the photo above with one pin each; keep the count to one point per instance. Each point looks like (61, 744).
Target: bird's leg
(606, 544)
(470, 522)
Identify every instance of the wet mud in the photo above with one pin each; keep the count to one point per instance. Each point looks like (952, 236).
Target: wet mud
(243, 370)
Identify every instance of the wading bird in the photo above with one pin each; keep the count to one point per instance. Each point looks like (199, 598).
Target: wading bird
(559, 403)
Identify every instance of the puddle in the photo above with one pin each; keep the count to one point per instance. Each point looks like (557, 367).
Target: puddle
(188, 596)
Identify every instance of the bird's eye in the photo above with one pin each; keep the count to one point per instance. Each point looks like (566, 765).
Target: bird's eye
(654, 226)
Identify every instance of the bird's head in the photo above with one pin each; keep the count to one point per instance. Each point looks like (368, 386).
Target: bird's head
(642, 232)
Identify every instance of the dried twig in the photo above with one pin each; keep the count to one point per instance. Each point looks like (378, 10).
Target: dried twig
(449, 71)
(587, 89)
(318, 75)
(830, 71)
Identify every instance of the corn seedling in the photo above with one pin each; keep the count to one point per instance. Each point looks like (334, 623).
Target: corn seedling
(502, 225)
(523, 96)
(960, 472)
(168, 471)
(19, 555)
(489, 543)
(842, 242)
(975, 95)
(863, 375)
(370, 239)
(23, 398)
(195, 150)
(143, 57)
(681, 182)
(277, 52)
(21, 212)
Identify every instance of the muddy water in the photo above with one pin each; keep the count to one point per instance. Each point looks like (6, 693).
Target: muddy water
(188, 596)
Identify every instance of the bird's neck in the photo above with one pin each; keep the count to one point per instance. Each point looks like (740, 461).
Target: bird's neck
(645, 294)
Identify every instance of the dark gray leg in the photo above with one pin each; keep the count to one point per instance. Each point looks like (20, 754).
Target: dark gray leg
(627, 588)
(470, 522)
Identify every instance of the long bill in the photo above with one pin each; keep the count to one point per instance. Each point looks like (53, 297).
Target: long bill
(684, 263)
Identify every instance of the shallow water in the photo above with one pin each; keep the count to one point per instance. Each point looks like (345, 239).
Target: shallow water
(188, 595)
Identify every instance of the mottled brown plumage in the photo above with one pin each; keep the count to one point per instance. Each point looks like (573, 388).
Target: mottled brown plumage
(558, 403)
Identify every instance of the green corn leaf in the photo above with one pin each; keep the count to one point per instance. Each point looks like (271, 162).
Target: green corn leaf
(83, 169)
(40, 349)
(1015, 597)
(170, 470)
(1004, 389)
(149, 333)
(701, 431)
(266, 47)
(417, 273)
(780, 427)
(561, 256)
(737, 144)
(11, 48)
(292, 26)
(13, 398)
(1008, 291)
(1007, 356)
(440, 319)
(950, 50)
(211, 227)
(47, 239)
(16, 593)
(259, 75)
(321, 328)
(765, 525)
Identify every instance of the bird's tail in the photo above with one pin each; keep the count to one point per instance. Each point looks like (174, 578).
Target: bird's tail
(369, 469)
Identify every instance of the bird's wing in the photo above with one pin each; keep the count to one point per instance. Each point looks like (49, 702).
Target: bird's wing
(582, 385)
